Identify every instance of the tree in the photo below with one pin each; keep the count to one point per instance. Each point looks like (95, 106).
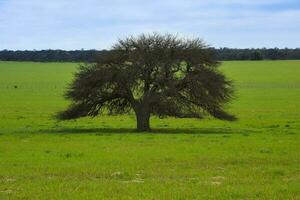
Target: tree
(256, 55)
(154, 74)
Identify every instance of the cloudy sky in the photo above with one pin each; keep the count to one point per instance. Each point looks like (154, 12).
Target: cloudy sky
(96, 24)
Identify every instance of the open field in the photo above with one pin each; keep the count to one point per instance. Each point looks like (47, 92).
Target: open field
(257, 157)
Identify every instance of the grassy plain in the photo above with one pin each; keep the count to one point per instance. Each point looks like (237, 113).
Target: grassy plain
(257, 157)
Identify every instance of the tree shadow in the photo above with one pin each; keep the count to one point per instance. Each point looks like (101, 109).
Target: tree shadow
(104, 131)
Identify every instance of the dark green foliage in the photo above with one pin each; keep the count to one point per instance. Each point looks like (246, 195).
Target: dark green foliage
(257, 55)
(89, 55)
(151, 74)
(50, 55)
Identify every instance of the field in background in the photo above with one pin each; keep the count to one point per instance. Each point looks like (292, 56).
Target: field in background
(255, 158)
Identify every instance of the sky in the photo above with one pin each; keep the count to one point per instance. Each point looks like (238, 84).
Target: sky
(97, 24)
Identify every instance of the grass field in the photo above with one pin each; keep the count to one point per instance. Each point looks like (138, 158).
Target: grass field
(257, 157)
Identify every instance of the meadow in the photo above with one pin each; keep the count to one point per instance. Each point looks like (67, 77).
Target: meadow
(257, 157)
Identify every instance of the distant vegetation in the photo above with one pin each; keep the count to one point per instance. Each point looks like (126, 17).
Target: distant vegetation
(89, 55)
(257, 54)
(49, 55)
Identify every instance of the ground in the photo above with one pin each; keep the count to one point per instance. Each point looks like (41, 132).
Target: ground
(256, 157)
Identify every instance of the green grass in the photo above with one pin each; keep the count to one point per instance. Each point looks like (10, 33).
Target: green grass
(257, 157)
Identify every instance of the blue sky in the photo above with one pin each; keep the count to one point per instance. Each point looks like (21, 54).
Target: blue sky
(97, 24)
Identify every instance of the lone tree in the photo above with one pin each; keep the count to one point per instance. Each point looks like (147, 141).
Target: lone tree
(154, 74)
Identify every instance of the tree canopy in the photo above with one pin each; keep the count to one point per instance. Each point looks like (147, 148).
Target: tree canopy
(153, 74)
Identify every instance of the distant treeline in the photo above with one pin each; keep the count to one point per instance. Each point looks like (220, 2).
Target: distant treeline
(257, 54)
(50, 55)
(89, 55)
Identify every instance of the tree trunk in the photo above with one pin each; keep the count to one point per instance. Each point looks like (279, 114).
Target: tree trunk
(142, 119)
